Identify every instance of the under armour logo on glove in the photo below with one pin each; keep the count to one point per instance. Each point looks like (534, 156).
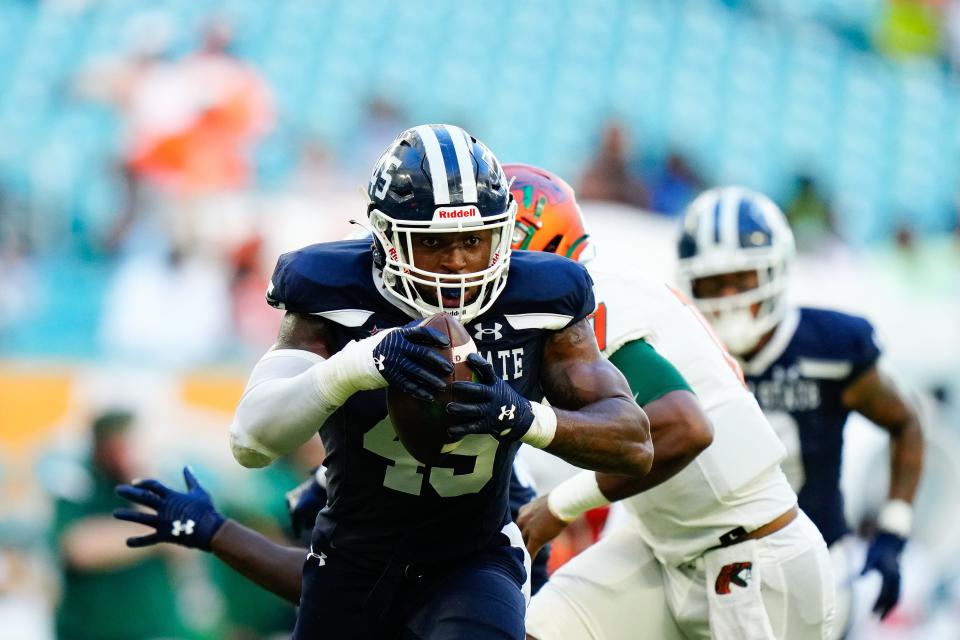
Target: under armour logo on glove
(407, 359)
(737, 573)
(188, 519)
(482, 407)
(185, 528)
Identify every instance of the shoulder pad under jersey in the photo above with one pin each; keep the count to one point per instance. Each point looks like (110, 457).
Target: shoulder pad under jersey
(629, 306)
(327, 279)
(839, 338)
(546, 290)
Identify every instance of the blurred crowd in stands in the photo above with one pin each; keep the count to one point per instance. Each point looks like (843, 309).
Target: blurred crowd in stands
(175, 273)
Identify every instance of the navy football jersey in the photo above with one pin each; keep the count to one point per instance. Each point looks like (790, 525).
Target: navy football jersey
(798, 379)
(383, 504)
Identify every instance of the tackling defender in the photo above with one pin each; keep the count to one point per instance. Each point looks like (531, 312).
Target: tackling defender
(732, 555)
(809, 368)
(404, 548)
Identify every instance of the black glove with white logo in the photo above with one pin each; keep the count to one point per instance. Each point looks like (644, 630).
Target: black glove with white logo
(489, 406)
(187, 519)
(406, 358)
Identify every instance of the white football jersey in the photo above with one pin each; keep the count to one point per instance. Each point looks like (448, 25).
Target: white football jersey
(736, 481)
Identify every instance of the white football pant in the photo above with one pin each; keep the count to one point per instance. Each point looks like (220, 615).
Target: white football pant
(617, 590)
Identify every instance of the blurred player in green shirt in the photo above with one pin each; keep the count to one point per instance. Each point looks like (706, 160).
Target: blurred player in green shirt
(110, 592)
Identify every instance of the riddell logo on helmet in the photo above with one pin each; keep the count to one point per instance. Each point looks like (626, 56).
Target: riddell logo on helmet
(456, 213)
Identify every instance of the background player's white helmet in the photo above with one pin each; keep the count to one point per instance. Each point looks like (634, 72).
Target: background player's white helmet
(439, 179)
(729, 230)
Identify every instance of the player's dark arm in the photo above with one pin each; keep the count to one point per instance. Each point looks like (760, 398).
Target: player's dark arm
(303, 380)
(680, 431)
(599, 425)
(274, 567)
(876, 397)
(304, 332)
(190, 519)
(679, 427)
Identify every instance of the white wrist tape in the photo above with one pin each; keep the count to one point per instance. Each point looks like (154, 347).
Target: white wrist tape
(353, 368)
(896, 516)
(544, 427)
(575, 496)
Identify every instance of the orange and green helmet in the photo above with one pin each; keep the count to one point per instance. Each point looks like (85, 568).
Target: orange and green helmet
(548, 216)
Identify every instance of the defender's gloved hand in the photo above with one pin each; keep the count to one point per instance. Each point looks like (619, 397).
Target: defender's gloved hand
(306, 500)
(489, 406)
(187, 519)
(884, 556)
(405, 358)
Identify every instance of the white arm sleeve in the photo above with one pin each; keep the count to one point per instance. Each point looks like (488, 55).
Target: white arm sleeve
(292, 392)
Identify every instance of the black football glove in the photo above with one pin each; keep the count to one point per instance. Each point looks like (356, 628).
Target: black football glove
(306, 500)
(884, 557)
(187, 519)
(489, 406)
(406, 358)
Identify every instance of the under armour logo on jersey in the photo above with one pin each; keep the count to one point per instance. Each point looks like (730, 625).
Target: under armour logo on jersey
(186, 528)
(482, 332)
(321, 557)
(737, 573)
(379, 362)
(507, 414)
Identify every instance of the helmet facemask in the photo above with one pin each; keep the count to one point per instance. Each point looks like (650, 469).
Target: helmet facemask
(733, 317)
(728, 231)
(402, 276)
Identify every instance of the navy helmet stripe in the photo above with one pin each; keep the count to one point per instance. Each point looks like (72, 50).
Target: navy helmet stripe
(752, 228)
(716, 221)
(436, 164)
(451, 165)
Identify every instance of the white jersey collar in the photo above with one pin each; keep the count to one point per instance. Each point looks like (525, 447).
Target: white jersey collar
(778, 343)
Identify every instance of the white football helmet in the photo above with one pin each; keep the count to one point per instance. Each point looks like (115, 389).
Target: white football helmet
(730, 230)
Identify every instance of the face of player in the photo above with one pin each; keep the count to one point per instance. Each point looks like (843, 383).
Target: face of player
(727, 284)
(113, 455)
(451, 254)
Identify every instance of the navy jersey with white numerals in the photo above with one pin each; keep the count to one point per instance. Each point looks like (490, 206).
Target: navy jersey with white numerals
(798, 379)
(383, 504)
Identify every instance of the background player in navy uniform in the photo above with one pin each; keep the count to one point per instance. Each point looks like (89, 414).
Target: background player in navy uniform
(404, 548)
(809, 368)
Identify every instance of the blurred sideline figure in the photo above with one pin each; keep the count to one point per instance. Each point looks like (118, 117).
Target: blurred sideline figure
(809, 368)
(108, 592)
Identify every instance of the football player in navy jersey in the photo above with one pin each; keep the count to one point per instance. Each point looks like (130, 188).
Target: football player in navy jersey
(809, 368)
(403, 549)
